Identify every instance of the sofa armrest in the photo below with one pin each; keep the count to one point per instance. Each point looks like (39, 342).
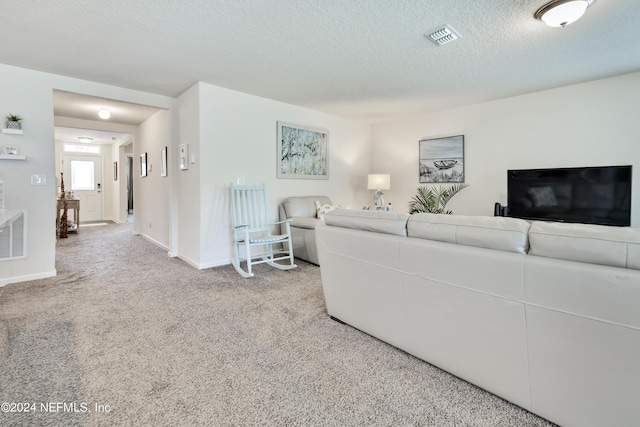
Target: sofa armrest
(376, 221)
(304, 222)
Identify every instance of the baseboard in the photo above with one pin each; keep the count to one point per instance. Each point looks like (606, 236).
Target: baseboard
(28, 277)
(155, 242)
(212, 264)
(189, 261)
(337, 320)
(200, 266)
(115, 220)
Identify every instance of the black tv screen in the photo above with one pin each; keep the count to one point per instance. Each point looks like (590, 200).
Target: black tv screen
(590, 195)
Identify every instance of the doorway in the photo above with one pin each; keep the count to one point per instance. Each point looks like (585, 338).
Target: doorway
(85, 181)
(129, 188)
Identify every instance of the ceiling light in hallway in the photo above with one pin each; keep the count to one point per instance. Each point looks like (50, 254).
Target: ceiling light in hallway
(104, 114)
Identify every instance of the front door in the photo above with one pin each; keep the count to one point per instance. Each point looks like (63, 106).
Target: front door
(85, 180)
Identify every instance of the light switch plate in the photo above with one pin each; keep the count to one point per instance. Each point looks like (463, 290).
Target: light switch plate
(38, 180)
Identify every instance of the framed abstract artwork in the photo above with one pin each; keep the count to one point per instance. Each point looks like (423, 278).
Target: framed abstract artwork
(442, 160)
(303, 152)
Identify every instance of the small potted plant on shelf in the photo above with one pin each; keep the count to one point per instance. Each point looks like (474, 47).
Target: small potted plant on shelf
(13, 121)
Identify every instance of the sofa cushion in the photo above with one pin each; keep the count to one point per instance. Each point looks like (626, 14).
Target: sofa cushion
(303, 206)
(321, 209)
(501, 233)
(376, 221)
(595, 244)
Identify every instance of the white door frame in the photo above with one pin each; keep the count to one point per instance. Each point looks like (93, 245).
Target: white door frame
(100, 178)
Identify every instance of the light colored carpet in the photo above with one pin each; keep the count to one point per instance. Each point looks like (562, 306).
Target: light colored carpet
(161, 343)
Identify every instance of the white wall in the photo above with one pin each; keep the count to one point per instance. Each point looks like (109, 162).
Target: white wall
(25, 95)
(590, 124)
(30, 94)
(151, 208)
(187, 190)
(238, 139)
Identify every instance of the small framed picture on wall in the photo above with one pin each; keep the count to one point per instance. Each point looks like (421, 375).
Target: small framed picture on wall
(143, 164)
(163, 162)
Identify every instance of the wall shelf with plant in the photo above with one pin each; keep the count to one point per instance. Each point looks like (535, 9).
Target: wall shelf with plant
(13, 124)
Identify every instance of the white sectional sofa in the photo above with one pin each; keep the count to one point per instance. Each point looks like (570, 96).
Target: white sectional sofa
(545, 315)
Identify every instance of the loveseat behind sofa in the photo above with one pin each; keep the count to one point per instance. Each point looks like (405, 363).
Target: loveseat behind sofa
(302, 212)
(545, 315)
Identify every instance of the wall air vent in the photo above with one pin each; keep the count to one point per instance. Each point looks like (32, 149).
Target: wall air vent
(442, 35)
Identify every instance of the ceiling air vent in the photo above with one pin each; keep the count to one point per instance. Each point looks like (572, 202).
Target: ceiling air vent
(442, 35)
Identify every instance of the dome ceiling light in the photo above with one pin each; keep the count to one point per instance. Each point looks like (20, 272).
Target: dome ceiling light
(104, 114)
(560, 13)
(85, 139)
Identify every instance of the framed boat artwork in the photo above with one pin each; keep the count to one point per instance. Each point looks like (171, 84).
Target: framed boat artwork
(442, 160)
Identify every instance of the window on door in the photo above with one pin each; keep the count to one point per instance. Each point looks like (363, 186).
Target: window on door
(82, 175)
(73, 148)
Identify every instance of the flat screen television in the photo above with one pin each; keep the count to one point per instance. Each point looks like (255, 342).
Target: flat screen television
(590, 195)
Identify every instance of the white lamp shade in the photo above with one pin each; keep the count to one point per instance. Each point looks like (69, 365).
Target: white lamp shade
(379, 181)
(563, 12)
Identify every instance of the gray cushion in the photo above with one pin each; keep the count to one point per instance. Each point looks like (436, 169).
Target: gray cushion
(595, 244)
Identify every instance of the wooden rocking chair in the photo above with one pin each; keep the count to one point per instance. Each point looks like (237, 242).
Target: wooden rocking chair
(252, 230)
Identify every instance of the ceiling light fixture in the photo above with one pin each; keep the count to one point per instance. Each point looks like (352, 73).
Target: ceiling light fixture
(85, 139)
(442, 35)
(104, 114)
(560, 13)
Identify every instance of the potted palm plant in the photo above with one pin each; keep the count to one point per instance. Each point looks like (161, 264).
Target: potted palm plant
(13, 121)
(434, 200)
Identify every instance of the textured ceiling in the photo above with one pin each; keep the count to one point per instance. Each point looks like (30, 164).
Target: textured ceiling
(363, 59)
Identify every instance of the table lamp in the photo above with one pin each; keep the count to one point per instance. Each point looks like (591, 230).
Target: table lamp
(379, 181)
